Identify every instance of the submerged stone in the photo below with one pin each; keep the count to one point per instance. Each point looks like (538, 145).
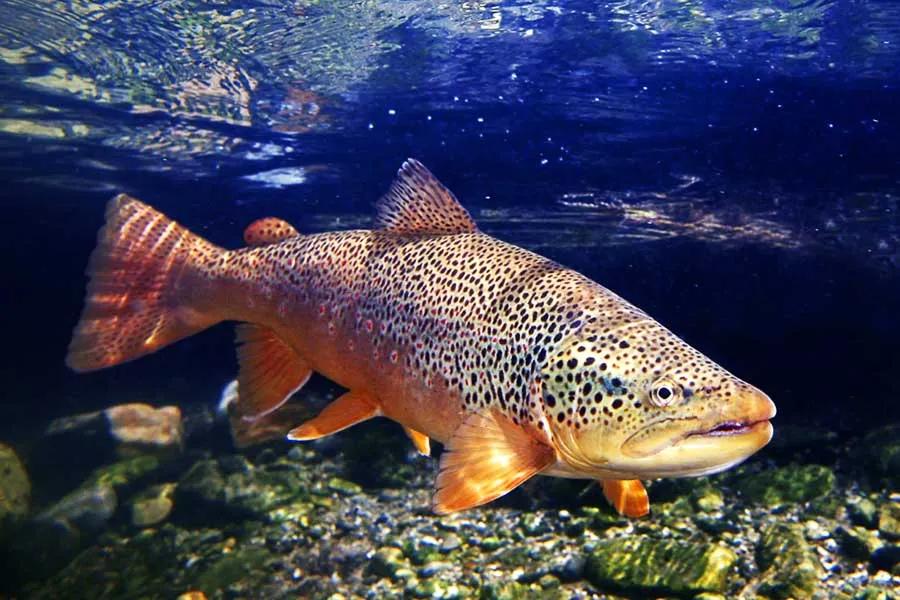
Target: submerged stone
(207, 492)
(857, 543)
(386, 562)
(153, 506)
(517, 591)
(889, 520)
(141, 428)
(791, 570)
(131, 429)
(15, 487)
(873, 593)
(863, 512)
(708, 499)
(648, 566)
(887, 558)
(87, 508)
(232, 567)
(342, 486)
(125, 473)
(879, 452)
(794, 483)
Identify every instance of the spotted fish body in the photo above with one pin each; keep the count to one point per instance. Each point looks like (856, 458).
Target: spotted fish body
(517, 364)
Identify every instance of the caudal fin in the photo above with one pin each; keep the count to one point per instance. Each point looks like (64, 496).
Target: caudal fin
(144, 280)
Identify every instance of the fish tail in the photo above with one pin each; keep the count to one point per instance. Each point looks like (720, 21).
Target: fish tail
(150, 280)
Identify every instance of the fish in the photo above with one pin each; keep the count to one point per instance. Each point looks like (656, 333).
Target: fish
(516, 364)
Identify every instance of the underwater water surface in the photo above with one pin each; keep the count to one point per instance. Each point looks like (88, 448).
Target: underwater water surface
(732, 168)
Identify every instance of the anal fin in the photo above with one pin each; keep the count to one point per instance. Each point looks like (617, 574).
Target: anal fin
(487, 457)
(627, 496)
(270, 371)
(419, 440)
(346, 411)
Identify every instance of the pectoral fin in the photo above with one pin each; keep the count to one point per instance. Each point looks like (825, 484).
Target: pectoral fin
(419, 440)
(270, 371)
(628, 496)
(487, 457)
(346, 411)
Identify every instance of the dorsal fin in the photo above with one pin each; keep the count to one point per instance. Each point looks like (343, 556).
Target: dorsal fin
(268, 231)
(418, 203)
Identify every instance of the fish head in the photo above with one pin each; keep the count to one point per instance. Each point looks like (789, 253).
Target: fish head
(636, 402)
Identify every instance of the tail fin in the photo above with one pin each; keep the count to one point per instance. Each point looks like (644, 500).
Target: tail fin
(143, 278)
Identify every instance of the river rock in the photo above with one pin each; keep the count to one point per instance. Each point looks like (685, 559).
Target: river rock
(15, 487)
(72, 447)
(889, 520)
(141, 429)
(863, 512)
(857, 543)
(793, 483)
(879, 453)
(152, 506)
(129, 428)
(790, 569)
(648, 566)
(231, 487)
(87, 509)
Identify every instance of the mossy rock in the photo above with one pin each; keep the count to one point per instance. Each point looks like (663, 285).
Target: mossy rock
(518, 591)
(243, 564)
(143, 567)
(209, 493)
(378, 456)
(879, 452)
(15, 487)
(794, 483)
(863, 512)
(387, 562)
(708, 499)
(648, 566)
(790, 567)
(873, 593)
(152, 506)
(889, 520)
(857, 543)
(125, 473)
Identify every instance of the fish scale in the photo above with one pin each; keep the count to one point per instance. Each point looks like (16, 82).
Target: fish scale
(517, 364)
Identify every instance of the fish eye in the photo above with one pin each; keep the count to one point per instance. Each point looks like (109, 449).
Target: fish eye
(663, 393)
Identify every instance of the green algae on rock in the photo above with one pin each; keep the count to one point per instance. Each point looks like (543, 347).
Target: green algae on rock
(857, 543)
(879, 452)
(889, 520)
(790, 567)
(708, 499)
(15, 487)
(125, 473)
(153, 506)
(864, 512)
(643, 565)
(235, 489)
(387, 561)
(232, 567)
(793, 483)
(87, 509)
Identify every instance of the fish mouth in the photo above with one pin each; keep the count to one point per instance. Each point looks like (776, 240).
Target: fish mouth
(730, 428)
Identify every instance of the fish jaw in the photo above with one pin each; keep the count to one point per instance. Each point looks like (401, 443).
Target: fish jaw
(693, 447)
(682, 446)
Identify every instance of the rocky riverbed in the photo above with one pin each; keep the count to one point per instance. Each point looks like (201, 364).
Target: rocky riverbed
(815, 515)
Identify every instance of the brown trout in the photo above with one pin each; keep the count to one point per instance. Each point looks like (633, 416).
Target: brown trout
(518, 365)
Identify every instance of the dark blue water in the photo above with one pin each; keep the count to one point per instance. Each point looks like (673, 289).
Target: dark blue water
(732, 168)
